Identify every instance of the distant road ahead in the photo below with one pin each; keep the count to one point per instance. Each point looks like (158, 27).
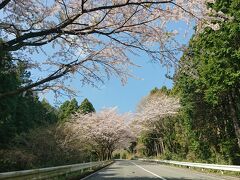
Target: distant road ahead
(138, 170)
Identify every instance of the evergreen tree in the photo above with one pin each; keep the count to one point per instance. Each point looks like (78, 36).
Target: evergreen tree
(67, 108)
(210, 99)
(22, 112)
(72, 107)
(86, 107)
(62, 112)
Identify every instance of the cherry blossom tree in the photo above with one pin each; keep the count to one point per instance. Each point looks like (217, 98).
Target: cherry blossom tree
(104, 131)
(156, 106)
(90, 38)
(152, 115)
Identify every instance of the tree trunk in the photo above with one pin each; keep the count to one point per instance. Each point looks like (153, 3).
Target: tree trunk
(162, 144)
(234, 116)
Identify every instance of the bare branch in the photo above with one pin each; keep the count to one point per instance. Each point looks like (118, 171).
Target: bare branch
(4, 3)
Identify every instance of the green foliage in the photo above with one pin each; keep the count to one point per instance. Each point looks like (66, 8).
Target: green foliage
(162, 90)
(147, 139)
(132, 147)
(210, 99)
(116, 155)
(124, 156)
(21, 112)
(67, 109)
(8, 80)
(86, 107)
(26, 113)
(62, 112)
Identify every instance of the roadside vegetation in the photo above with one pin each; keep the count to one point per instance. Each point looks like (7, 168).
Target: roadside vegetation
(30, 130)
(207, 83)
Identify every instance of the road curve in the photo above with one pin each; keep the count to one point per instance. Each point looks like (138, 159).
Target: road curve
(138, 170)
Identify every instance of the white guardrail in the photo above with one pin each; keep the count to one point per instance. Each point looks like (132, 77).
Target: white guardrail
(198, 165)
(51, 172)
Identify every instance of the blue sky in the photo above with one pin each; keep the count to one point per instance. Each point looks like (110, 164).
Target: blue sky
(113, 93)
(126, 98)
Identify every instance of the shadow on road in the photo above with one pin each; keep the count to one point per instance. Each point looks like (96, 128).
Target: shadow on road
(111, 176)
(131, 170)
(134, 178)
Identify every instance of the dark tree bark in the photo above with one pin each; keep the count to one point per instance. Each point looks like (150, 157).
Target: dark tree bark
(4, 3)
(234, 116)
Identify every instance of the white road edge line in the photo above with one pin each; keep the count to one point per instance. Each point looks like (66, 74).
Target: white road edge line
(149, 171)
(95, 172)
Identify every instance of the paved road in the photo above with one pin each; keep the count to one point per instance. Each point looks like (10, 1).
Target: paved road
(138, 170)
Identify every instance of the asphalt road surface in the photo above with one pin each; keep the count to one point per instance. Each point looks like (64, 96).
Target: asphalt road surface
(134, 170)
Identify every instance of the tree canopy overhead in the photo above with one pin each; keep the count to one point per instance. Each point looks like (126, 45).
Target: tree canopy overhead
(90, 38)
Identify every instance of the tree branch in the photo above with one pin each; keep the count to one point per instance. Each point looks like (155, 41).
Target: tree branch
(66, 68)
(4, 3)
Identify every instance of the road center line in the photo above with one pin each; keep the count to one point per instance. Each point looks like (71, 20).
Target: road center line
(149, 171)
